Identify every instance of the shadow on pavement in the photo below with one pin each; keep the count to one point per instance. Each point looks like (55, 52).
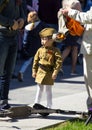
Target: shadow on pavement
(30, 82)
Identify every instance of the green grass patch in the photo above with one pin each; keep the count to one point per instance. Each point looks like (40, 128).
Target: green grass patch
(78, 124)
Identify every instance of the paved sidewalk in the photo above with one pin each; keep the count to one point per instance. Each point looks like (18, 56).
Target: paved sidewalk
(69, 93)
(74, 102)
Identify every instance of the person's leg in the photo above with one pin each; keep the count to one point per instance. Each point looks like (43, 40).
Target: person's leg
(49, 95)
(25, 65)
(87, 64)
(39, 93)
(66, 52)
(9, 65)
(23, 68)
(4, 45)
(74, 58)
(3, 55)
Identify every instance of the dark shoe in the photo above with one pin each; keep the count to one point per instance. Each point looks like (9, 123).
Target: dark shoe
(4, 104)
(20, 77)
(40, 107)
(5, 107)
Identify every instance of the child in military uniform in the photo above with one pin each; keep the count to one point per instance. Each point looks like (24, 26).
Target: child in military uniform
(46, 65)
(31, 41)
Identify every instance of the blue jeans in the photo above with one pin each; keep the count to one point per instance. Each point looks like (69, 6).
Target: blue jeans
(25, 65)
(8, 54)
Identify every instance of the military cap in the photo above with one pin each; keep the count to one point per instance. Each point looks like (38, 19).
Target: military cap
(47, 32)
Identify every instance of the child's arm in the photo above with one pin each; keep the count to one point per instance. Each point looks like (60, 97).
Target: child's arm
(35, 64)
(58, 63)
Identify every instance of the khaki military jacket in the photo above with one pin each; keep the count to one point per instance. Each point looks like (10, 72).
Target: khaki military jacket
(47, 61)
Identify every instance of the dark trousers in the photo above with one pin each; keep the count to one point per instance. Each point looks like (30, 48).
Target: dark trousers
(8, 54)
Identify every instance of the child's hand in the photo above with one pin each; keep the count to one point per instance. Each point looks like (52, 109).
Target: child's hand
(34, 75)
(54, 76)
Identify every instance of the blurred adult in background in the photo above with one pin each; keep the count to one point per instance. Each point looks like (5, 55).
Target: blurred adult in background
(86, 46)
(11, 20)
(71, 42)
(47, 12)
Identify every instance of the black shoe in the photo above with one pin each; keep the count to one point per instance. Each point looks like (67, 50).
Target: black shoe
(38, 107)
(5, 107)
(20, 77)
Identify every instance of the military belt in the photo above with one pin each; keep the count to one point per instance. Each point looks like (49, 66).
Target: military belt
(46, 67)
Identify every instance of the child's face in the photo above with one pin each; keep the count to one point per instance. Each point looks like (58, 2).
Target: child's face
(46, 41)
